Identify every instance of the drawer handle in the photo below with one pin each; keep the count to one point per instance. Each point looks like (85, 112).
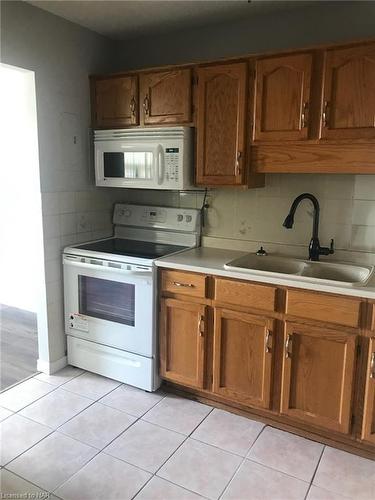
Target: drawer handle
(305, 115)
(372, 365)
(132, 106)
(185, 285)
(325, 116)
(268, 341)
(289, 346)
(146, 105)
(201, 326)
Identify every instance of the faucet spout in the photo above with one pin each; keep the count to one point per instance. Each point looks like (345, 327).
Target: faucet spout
(315, 250)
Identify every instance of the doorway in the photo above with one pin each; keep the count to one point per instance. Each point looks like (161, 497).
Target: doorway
(21, 248)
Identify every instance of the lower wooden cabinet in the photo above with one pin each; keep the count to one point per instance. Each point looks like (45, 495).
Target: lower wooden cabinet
(318, 375)
(182, 342)
(368, 427)
(243, 354)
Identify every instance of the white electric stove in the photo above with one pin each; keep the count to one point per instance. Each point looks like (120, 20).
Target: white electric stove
(110, 292)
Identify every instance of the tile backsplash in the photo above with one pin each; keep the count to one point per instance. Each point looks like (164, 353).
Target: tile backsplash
(245, 219)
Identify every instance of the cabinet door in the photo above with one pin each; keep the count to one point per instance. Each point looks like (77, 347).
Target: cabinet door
(116, 102)
(166, 97)
(182, 342)
(222, 105)
(349, 93)
(282, 98)
(368, 427)
(243, 353)
(318, 376)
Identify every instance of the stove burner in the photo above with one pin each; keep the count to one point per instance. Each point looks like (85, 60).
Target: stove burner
(132, 248)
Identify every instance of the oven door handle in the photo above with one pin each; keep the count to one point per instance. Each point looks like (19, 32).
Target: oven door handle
(85, 265)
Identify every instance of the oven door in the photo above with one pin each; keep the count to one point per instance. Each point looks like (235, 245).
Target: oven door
(120, 164)
(110, 305)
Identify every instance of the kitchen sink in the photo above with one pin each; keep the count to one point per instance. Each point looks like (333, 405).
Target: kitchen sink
(304, 270)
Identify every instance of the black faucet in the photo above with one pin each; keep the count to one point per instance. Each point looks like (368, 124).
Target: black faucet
(315, 250)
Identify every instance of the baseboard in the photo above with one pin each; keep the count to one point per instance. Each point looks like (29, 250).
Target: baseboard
(51, 367)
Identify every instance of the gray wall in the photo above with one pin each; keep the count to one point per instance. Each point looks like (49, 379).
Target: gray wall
(62, 55)
(319, 23)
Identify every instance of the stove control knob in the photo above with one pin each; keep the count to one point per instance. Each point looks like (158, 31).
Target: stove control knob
(188, 218)
(126, 212)
(180, 217)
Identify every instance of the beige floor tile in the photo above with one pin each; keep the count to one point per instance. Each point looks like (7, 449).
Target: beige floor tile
(145, 445)
(159, 489)
(132, 400)
(56, 408)
(13, 486)
(17, 434)
(316, 493)
(98, 425)
(257, 482)
(60, 377)
(24, 393)
(104, 478)
(4, 413)
(346, 474)
(178, 414)
(201, 468)
(52, 461)
(287, 453)
(91, 385)
(228, 431)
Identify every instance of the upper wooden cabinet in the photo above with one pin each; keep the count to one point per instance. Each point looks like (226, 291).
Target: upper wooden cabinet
(368, 427)
(115, 101)
(221, 124)
(243, 354)
(165, 97)
(182, 342)
(349, 93)
(318, 375)
(282, 98)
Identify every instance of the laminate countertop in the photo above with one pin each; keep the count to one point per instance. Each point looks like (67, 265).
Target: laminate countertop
(210, 260)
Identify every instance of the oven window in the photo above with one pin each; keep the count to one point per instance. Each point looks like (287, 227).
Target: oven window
(108, 300)
(113, 164)
(138, 165)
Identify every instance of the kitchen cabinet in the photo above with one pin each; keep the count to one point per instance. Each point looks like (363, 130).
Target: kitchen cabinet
(349, 93)
(318, 375)
(368, 425)
(221, 124)
(243, 356)
(282, 98)
(165, 97)
(115, 101)
(182, 341)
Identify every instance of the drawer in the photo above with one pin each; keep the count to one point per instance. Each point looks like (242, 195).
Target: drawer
(245, 294)
(327, 308)
(191, 284)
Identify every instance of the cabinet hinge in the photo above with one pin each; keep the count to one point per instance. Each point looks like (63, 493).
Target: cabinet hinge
(194, 80)
(358, 350)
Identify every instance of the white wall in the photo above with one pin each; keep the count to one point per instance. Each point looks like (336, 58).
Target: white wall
(62, 55)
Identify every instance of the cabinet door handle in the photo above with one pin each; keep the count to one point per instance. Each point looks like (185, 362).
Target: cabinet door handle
(268, 341)
(186, 285)
(325, 114)
(201, 326)
(288, 346)
(238, 163)
(146, 104)
(372, 365)
(132, 106)
(305, 115)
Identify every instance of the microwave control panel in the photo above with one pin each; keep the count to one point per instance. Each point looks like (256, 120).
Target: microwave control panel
(172, 160)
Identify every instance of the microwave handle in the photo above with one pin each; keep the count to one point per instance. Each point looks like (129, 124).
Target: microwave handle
(160, 163)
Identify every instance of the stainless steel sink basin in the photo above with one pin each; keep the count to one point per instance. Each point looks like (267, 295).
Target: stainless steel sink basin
(303, 270)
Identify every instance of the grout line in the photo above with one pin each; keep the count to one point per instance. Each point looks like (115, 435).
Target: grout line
(317, 465)
(34, 484)
(277, 470)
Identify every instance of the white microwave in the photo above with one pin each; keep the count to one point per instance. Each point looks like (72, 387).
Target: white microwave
(145, 158)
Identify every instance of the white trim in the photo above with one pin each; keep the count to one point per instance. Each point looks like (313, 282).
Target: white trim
(51, 367)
